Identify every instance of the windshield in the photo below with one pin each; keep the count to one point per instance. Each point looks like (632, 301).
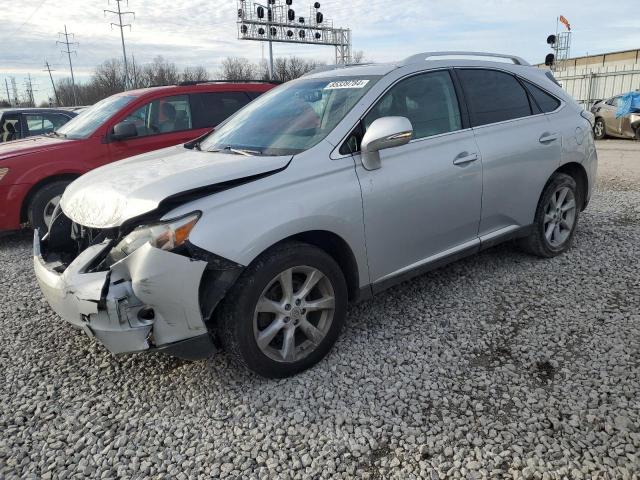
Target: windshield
(290, 119)
(90, 119)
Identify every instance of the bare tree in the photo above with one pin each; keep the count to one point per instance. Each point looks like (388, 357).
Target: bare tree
(358, 57)
(160, 72)
(238, 68)
(108, 77)
(194, 74)
(285, 69)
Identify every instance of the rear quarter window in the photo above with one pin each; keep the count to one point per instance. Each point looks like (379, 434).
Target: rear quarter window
(546, 102)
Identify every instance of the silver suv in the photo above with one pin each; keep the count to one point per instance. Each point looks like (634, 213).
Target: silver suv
(324, 191)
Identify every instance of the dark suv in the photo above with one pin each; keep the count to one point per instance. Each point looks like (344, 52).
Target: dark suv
(17, 123)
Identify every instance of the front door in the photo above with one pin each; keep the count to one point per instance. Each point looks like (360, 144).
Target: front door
(424, 201)
(161, 123)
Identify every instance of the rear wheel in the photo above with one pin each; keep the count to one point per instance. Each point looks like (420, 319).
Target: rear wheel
(556, 218)
(43, 203)
(599, 131)
(285, 312)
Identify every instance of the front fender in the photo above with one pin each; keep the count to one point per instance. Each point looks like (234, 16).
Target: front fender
(241, 223)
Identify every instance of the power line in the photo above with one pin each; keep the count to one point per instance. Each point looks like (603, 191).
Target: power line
(68, 51)
(17, 30)
(121, 26)
(55, 92)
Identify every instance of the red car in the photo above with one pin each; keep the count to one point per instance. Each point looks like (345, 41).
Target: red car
(35, 171)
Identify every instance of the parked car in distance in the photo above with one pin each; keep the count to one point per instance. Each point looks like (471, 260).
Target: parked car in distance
(17, 123)
(606, 123)
(35, 171)
(327, 189)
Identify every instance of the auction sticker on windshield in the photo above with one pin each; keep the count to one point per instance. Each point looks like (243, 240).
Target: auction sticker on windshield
(346, 84)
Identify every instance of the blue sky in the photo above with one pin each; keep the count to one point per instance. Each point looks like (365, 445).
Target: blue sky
(203, 32)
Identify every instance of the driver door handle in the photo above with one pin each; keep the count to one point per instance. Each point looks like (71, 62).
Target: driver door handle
(464, 158)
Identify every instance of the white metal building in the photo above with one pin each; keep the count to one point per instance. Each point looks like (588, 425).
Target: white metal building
(596, 77)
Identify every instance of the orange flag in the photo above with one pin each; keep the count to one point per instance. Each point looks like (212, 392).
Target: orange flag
(565, 22)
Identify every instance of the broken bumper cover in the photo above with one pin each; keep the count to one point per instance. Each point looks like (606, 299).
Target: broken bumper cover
(148, 300)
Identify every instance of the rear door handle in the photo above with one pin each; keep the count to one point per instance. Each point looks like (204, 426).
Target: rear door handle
(548, 137)
(465, 158)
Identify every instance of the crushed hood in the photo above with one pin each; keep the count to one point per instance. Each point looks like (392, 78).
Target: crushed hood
(29, 145)
(108, 196)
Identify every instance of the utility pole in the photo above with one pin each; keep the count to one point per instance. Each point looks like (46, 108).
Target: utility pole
(121, 26)
(28, 85)
(14, 89)
(6, 84)
(68, 51)
(55, 92)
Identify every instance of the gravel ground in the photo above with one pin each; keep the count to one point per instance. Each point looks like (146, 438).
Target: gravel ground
(501, 365)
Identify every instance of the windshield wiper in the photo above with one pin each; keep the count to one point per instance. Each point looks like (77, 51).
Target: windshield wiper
(239, 151)
(56, 134)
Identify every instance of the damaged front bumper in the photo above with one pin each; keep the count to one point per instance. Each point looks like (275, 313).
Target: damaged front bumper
(148, 300)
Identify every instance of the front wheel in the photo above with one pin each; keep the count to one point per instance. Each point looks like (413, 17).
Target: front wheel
(556, 218)
(43, 204)
(285, 312)
(599, 131)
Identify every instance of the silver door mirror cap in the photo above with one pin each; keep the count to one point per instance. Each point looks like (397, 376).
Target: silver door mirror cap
(385, 132)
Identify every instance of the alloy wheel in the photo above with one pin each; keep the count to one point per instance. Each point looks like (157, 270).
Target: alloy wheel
(294, 314)
(49, 208)
(559, 216)
(598, 128)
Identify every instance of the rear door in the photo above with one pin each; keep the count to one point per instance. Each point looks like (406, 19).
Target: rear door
(519, 146)
(211, 108)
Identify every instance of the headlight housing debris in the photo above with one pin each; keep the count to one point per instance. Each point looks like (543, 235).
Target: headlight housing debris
(166, 235)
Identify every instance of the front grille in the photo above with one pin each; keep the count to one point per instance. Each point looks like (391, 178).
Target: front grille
(67, 239)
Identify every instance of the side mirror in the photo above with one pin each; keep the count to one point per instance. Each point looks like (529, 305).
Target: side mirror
(385, 132)
(124, 130)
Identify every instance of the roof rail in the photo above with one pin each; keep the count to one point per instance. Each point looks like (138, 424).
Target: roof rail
(198, 82)
(421, 57)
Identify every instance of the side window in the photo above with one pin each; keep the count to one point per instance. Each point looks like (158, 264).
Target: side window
(56, 119)
(10, 128)
(428, 100)
(614, 102)
(545, 101)
(165, 115)
(209, 109)
(493, 96)
(254, 95)
(37, 124)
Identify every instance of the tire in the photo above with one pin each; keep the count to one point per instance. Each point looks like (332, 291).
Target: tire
(599, 129)
(242, 320)
(557, 209)
(42, 204)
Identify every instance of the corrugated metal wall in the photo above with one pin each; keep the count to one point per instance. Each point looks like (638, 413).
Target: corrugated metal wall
(589, 84)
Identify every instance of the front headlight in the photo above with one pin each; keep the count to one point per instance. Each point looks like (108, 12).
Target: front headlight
(164, 235)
